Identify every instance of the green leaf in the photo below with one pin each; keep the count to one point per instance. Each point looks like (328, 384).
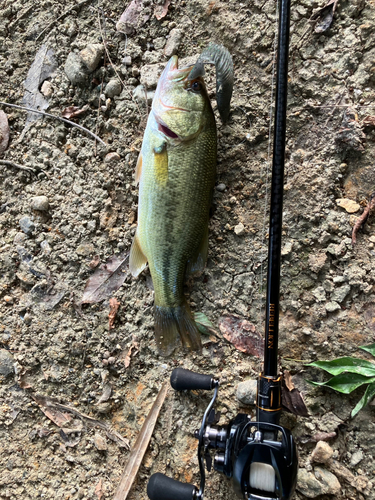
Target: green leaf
(347, 364)
(204, 325)
(345, 382)
(369, 348)
(366, 398)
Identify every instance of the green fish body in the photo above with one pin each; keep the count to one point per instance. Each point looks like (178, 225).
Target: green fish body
(176, 171)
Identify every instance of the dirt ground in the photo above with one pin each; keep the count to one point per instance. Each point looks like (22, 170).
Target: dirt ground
(76, 205)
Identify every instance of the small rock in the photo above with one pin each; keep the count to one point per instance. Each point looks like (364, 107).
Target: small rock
(77, 189)
(127, 60)
(75, 69)
(27, 225)
(322, 452)
(47, 88)
(173, 42)
(150, 74)
(247, 392)
(91, 56)
(319, 293)
(221, 187)
(40, 203)
(8, 299)
(91, 225)
(321, 483)
(340, 293)
(356, 458)
(332, 306)
(287, 248)
(317, 261)
(6, 363)
(140, 95)
(45, 246)
(112, 158)
(100, 442)
(349, 205)
(113, 88)
(27, 319)
(19, 238)
(239, 229)
(85, 249)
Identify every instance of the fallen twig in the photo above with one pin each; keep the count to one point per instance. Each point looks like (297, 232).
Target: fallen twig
(60, 17)
(24, 108)
(15, 165)
(140, 446)
(362, 219)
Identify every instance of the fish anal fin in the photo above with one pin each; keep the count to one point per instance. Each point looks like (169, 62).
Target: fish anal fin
(138, 168)
(137, 259)
(198, 261)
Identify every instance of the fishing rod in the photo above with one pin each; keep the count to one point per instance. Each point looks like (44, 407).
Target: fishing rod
(259, 457)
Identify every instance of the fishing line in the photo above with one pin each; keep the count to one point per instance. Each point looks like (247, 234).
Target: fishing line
(266, 167)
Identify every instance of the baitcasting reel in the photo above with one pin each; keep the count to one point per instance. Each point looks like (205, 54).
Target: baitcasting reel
(259, 457)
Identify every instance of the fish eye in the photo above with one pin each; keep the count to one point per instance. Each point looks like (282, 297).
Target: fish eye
(196, 86)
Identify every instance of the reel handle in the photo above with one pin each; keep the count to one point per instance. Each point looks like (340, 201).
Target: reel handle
(161, 487)
(182, 380)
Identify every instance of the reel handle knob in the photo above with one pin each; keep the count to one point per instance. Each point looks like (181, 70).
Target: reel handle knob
(161, 487)
(182, 380)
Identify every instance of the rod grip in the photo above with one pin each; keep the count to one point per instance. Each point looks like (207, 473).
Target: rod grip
(161, 487)
(182, 380)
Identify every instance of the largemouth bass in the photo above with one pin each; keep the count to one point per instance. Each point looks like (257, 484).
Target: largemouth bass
(176, 171)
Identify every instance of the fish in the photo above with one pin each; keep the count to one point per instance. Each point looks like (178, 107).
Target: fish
(176, 171)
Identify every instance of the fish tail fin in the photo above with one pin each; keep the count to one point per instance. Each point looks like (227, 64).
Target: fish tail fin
(172, 323)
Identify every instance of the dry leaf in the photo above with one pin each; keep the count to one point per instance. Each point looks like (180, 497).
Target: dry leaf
(99, 490)
(106, 280)
(72, 111)
(100, 442)
(140, 446)
(292, 400)
(42, 68)
(162, 10)
(59, 418)
(4, 132)
(369, 121)
(128, 356)
(114, 304)
(324, 16)
(288, 380)
(242, 334)
(128, 21)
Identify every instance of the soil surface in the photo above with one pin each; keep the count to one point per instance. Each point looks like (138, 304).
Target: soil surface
(73, 205)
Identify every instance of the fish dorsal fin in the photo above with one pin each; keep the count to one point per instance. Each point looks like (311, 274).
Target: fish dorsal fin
(138, 168)
(198, 261)
(137, 259)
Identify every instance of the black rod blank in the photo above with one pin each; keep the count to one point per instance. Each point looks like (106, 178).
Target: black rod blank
(278, 161)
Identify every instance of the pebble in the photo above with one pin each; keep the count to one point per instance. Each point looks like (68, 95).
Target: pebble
(173, 42)
(356, 458)
(349, 205)
(139, 94)
(8, 299)
(332, 306)
(112, 158)
(47, 88)
(322, 452)
(45, 246)
(91, 55)
(239, 229)
(321, 483)
(150, 74)
(6, 363)
(127, 60)
(221, 187)
(85, 249)
(340, 293)
(19, 238)
(113, 88)
(40, 203)
(27, 225)
(247, 392)
(75, 70)
(100, 442)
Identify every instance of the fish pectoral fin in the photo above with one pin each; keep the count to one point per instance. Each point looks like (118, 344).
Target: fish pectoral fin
(138, 168)
(198, 262)
(161, 163)
(137, 259)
